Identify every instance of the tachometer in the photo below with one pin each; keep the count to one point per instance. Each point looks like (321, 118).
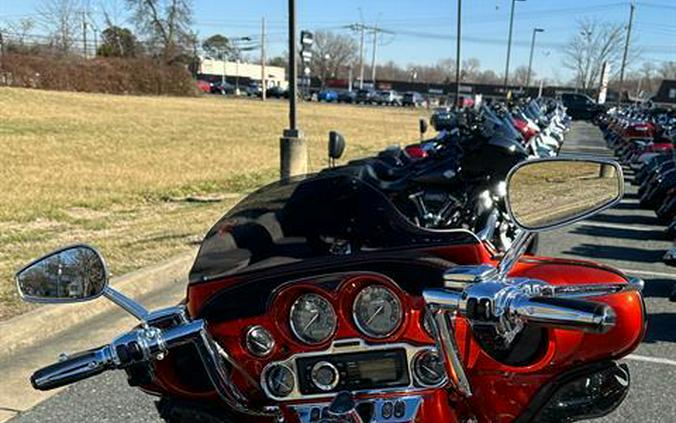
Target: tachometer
(313, 319)
(377, 311)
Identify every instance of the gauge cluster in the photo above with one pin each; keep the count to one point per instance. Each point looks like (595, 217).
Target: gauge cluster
(355, 332)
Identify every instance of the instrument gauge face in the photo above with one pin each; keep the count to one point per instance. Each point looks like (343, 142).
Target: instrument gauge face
(377, 311)
(313, 319)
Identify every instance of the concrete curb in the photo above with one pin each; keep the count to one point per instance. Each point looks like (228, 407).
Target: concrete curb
(47, 321)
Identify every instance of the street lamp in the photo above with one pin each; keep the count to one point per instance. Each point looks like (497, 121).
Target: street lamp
(509, 42)
(532, 48)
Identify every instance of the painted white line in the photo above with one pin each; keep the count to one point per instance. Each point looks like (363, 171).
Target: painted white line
(657, 360)
(649, 273)
(621, 226)
(629, 201)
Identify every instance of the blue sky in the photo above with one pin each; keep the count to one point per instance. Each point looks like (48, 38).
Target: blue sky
(424, 29)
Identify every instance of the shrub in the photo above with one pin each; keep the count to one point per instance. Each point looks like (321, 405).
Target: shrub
(101, 75)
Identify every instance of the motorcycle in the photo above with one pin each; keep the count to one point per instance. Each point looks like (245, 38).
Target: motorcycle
(316, 300)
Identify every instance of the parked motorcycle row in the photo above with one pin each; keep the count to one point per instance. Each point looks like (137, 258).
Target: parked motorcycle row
(457, 178)
(364, 294)
(644, 140)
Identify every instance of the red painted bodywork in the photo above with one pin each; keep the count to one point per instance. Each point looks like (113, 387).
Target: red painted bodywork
(524, 129)
(501, 392)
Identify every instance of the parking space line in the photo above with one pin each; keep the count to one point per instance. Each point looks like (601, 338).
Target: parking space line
(647, 359)
(644, 228)
(649, 273)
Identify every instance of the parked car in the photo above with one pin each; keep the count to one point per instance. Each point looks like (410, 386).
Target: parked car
(327, 95)
(388, 98)
(223, 88)
(347, 96)
(581, 106)
(276, 92)
(412, 98)
(366, 96)
(203, 86)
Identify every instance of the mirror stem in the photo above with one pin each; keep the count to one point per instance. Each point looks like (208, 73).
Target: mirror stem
(514, 253)
(126, 303)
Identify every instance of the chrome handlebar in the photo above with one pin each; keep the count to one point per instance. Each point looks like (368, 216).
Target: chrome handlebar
(147, 344)
(508, 307)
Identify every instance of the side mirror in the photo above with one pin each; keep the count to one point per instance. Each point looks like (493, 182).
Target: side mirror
(73, 274)
(336, 146)
(423, 126)
(550, 193)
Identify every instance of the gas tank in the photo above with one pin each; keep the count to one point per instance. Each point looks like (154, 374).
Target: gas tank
(444, 173)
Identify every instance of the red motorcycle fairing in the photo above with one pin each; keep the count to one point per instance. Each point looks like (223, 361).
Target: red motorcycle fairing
(501, 392)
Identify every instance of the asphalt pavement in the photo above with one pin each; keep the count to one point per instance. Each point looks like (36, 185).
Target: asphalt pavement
(625, 237)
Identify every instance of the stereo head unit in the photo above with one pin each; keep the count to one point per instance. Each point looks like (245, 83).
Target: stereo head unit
(353, 371)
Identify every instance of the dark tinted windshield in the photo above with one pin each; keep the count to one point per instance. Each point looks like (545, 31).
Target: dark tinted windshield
(306, 218)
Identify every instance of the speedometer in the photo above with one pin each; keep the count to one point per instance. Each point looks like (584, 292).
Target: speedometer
(377, 311)
(313, 319)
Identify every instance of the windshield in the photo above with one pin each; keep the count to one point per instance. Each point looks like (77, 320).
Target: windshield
(314, 216)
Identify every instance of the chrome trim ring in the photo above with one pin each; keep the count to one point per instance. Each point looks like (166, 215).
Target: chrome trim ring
(362, 328)
(323, 386)
(295, 330)
(250, 339)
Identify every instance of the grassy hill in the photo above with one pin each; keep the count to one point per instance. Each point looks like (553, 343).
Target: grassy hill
(105, 169)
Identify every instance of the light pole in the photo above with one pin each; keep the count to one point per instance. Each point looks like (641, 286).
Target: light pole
(457, 57)
(509, 42)
(532, 49)
(292, 146)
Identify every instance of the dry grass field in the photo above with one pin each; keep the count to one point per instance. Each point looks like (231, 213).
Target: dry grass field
(103, 169)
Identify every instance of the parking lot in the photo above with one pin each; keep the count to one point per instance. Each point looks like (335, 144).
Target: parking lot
(625, 237)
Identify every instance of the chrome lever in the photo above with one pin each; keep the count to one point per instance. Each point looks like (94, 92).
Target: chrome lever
(444, 304)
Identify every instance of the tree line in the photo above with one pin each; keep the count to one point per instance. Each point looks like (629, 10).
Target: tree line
(164, 30)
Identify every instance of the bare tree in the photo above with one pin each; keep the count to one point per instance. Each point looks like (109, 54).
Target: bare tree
(595, 43)
(62, 19)
(520, 75)
(331, 52)
(166, 24)
(668, 70)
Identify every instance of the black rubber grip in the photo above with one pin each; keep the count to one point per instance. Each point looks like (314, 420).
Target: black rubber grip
(75, 368)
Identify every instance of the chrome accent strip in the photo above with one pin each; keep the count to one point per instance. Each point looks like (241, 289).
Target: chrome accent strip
(356, 345)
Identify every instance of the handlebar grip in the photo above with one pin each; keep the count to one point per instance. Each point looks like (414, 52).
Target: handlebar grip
(566, 313)
(75, 368)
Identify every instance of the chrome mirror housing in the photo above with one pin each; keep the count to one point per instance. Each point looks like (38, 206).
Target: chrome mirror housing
(549, 193)
(72, 274)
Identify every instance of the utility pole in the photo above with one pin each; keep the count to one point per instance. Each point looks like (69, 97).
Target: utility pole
(457, 56)
(361, 57)
(373, 58)
(626, 51)
(293, 149)
(264, 80)
(530, 60)
(509, 43)
(84, 33)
